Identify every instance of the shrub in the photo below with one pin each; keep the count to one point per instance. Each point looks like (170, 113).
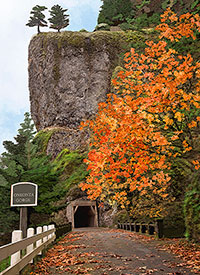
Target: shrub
(114, 12)
(83, 30)
(192, 209)
(102, 27)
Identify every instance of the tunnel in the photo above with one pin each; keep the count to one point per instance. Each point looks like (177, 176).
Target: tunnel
(84, 217)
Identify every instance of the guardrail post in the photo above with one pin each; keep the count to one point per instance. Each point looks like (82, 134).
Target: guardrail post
(51, 226)
(16, 236)
(159, 228)
(30, 233)
(38, 243)
(45, 228)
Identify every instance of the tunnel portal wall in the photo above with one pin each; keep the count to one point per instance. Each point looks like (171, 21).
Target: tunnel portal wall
(82, 213)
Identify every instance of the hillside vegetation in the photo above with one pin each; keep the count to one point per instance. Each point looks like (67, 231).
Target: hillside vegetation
(144, 152)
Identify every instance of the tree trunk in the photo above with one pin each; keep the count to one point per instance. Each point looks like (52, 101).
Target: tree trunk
(38, 28)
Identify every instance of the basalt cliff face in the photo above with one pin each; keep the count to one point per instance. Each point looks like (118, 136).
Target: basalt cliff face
(69, 74)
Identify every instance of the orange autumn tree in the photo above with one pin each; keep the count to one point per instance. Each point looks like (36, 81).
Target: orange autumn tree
(152, 118)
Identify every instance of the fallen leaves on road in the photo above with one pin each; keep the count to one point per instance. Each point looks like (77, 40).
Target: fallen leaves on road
(187, 251)
(82, 257)
(60, 259)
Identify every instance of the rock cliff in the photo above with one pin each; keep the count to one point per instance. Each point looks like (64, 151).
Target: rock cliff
(69, 74)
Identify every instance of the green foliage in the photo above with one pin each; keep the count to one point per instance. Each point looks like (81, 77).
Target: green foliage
(55, 178)
(144, 2)
(58, 19)
(16, 159)
(174, 221)
(27, 127)
(115, 12)
(41, 172)
(42, 138)
(70, 171)
(165, 4)
(136, 40)
(71, 167)
(142, 21)
(26, 160)
(154, 19)
(126, 26)
(14, 163)
(194, 4)
(37, 18)
(192, 209)
(195, 7)
(23, 161)
(187, 45)
(9, 218)
(180, 170)
(5, 264)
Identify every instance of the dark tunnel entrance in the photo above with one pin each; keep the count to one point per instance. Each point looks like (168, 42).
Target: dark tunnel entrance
(84, 217)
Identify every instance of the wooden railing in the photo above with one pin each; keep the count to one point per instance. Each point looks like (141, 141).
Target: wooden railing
(150, 228)
(63, 229)
(33, 245)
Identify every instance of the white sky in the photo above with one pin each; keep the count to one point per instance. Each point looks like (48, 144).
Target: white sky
(14, 40)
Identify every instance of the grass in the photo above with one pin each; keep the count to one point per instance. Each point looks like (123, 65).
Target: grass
(4, 264)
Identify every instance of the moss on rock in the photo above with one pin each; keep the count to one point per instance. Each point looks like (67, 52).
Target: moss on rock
(71, 167)
(42, 138)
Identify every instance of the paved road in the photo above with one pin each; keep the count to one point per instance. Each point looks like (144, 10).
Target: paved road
(102, 251)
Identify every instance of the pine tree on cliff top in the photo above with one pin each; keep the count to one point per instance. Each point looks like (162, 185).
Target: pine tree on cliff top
(37, 18)
(58, 19)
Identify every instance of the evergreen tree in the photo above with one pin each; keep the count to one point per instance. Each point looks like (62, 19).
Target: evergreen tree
(9, 217)
(37, 18)
(13, 164)
(115, 12)
(58, 19)
(42, 173)
(23, 162)
(16, 160)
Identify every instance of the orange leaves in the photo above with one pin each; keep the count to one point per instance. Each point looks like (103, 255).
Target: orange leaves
(160, 140)
(192, 124)
(186, 146)
(197, 164)
(167, 120)
(179, 116)
(175, 137)
(173, 27)
(149, 121)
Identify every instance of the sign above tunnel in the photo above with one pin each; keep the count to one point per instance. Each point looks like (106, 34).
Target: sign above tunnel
(24, 194)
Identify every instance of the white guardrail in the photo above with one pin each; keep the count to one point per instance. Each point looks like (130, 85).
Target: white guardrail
(33, 244)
